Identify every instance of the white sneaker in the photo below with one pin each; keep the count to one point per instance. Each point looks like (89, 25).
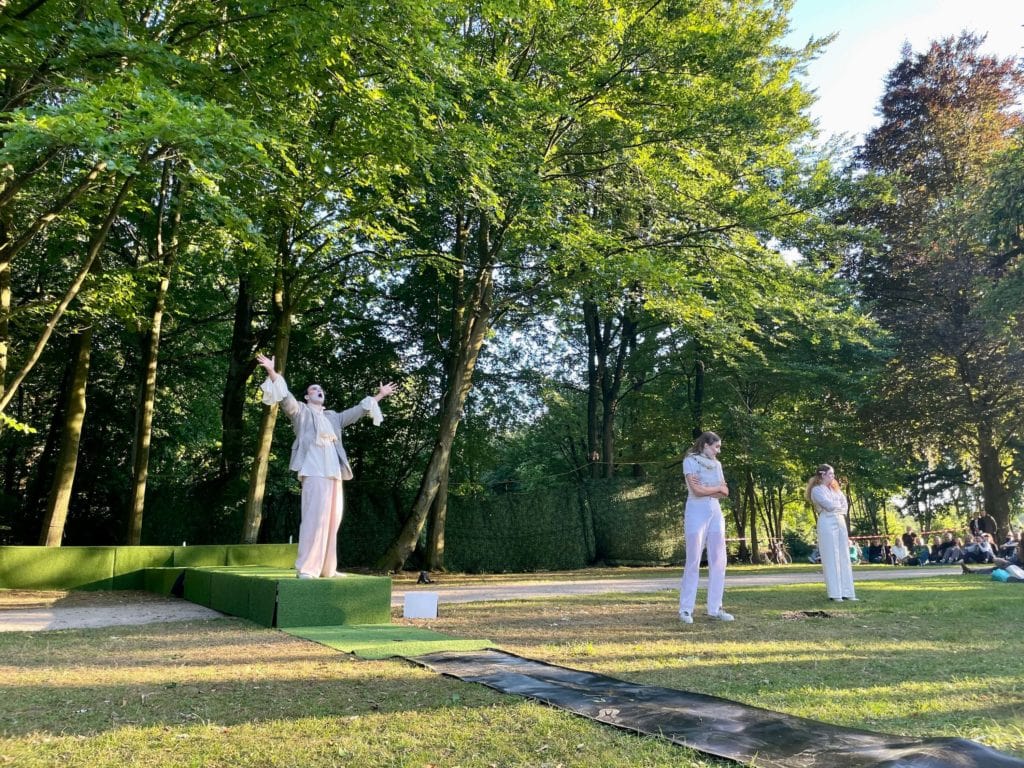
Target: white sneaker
(337, 575)
(685, 617)
(722, 616)
(306, 576)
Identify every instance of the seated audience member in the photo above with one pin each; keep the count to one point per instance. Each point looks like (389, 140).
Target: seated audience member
(814, 557)
(947, 542)
(899, 552)
(876, 552)
(854, 553)
(918, 553)
(955, 553)
(1016, 558)
(1009, 545)
(935, 552)
(980, 550)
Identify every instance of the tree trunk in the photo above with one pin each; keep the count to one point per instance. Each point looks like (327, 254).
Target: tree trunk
(240, 368)
(5, 303)
(96, 243)
(697, 401)
(752, 517)
(258, 475)
(740, 510)
(167, 253)
(595, 372)
(996, 499)
(438, 517)
(71, 435)
(470, 341)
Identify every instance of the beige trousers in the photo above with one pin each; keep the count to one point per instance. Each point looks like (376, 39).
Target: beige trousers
(318, 530)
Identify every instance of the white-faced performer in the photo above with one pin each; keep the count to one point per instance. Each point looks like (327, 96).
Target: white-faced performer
(704, 525)
(321, 462)
(829, 502)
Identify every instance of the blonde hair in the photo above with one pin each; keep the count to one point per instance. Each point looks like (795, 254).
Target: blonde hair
(818, 478)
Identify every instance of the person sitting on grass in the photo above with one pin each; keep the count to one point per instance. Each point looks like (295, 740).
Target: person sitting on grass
(918, 554)
(955, 553)
(899, 552)
(948, 541)
(877, 552)
(1016, 558)
(980, 550)
(1009, 545)
(935, 552)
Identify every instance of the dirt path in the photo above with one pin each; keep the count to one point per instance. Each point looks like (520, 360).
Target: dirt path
(27, 611)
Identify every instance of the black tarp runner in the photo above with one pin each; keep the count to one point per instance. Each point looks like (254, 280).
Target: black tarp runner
(750, 735)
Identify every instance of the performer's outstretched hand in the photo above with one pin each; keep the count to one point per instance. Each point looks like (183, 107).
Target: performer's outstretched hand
(385, 390)
(268, 364)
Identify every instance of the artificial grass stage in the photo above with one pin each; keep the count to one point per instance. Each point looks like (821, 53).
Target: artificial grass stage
(273, 597)
(382, 641)
(64, 568)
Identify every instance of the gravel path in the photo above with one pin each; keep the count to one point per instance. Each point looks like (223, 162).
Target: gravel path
(39, 612)
(490, 593)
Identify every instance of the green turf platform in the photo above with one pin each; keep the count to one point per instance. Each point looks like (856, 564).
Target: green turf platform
(382, 641)
(273, 597)
(57, 567)
(127, 567)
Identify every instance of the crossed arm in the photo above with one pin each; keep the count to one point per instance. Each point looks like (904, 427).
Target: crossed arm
(698, 489)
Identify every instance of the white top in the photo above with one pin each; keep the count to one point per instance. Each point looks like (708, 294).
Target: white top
(708, 472)
(318, 450)
(828, 501)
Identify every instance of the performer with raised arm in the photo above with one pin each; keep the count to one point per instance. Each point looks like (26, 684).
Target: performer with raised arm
(829, 502)
(319, 458)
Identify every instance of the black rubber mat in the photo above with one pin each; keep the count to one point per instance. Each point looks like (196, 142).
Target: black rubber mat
(750, 735)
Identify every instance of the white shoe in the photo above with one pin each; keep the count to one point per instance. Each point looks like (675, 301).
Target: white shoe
(337, 575)
(306, 576)
(685, 617)
(852, 599)
(722, 616)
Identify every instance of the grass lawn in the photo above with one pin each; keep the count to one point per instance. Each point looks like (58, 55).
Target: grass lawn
(939, 656)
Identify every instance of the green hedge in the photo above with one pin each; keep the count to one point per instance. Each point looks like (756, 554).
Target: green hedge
(538, 530)
(638, 522)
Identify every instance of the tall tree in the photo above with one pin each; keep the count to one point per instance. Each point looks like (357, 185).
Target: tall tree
(544, 104)
(946, 114)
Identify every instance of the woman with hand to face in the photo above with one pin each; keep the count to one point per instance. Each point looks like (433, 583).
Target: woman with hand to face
(830, 504)
(704, 525)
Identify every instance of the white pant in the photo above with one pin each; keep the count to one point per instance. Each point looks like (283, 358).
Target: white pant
(834, 548)
(318, 529)
(704, 525)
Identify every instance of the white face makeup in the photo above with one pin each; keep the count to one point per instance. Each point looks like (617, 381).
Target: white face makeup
(315, 394)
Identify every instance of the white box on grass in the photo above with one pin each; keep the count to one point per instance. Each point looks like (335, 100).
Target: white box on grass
(420, 605)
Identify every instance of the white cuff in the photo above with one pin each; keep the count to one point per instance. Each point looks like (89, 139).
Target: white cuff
(371, 405)
(274, 391)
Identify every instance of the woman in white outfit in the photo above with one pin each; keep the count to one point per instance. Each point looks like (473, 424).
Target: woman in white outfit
(829, 502)
(704, 525)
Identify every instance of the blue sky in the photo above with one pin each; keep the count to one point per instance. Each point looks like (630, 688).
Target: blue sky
(848, 77)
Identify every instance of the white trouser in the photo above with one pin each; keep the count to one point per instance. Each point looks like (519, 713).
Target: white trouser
(703, 525)
(834, 548)
(318, 529)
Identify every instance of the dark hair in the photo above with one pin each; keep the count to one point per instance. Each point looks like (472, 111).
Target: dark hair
(705, 439)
